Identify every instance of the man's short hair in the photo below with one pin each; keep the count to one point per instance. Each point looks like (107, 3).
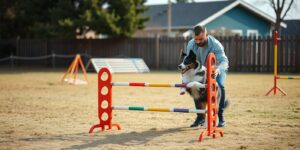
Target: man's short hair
(199, 29)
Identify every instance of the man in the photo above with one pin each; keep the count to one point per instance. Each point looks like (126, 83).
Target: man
(202, 44)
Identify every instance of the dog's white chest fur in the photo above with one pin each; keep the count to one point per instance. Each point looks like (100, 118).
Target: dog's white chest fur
(195, 79)
(198, 75)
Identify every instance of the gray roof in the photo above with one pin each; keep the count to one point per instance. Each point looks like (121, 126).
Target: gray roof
(183, 14)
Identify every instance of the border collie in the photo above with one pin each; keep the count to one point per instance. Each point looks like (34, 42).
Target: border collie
(194, 75)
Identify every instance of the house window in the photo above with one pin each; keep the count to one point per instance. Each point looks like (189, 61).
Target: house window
(252, 33)
(237, 32)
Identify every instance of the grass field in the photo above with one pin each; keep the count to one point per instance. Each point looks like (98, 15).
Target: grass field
(37, 111)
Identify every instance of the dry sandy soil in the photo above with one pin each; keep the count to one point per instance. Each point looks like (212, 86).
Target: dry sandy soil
(37, 111)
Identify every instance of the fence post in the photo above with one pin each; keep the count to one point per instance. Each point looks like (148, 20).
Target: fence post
(86, 58)
(237, 49)
(157, 50)
(297, 69)
(258, 65)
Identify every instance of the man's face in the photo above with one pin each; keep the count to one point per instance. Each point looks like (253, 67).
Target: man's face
(201, 39)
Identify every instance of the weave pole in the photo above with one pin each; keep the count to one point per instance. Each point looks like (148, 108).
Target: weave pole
(105, 100)
(276, 77)
(212, 105)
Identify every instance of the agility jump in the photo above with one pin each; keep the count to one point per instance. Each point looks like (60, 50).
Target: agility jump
(105, 100)
(276, 77)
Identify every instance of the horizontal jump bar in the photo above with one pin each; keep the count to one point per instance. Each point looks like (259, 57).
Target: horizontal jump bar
(288, 77)
(180, 110)
(145, 84)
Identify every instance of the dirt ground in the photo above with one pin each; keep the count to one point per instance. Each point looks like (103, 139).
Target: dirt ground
(37, 111)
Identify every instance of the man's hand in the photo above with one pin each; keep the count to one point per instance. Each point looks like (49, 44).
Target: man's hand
(217, 72)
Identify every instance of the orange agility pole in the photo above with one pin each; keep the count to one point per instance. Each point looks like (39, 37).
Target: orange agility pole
(73, 70)
(212, 105)
(105, 101)
(276, 77)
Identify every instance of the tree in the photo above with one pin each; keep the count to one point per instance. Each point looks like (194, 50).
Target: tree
(126, 16)
(278, 6)
(68, 18)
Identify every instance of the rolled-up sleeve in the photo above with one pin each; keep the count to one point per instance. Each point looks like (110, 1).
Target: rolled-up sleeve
(222, 60)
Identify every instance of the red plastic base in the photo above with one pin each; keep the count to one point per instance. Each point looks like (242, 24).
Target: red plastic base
(207, 133)
(103, 127)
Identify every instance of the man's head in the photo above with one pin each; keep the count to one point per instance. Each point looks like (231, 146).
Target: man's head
(200, 35)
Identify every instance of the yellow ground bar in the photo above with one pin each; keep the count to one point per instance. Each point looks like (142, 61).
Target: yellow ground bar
(159, 109)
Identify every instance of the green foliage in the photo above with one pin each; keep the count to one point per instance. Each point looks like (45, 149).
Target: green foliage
(127, 16)
(68, 18)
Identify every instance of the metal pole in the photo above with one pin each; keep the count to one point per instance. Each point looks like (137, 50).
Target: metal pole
(275, 59)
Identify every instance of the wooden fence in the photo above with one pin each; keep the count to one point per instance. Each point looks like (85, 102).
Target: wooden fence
(245, 54)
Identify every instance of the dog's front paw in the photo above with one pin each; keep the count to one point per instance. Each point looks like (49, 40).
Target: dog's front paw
(182, 91)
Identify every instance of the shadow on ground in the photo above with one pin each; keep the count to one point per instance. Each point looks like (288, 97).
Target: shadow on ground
(98, 140)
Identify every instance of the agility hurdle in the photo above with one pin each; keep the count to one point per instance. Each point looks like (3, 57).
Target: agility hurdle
(276, 77)
(105, 100)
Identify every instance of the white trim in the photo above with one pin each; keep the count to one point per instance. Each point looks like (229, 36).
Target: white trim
(165, 28)
(252, 31)
(271, 30)
(219, 13)
(261, 13)
(237, 31)
(234, 4)
(187, 33)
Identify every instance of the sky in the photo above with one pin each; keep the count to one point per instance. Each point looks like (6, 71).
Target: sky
(263, 5)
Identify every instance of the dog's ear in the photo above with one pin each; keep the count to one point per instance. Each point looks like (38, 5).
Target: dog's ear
(182, 56)
(192, 55)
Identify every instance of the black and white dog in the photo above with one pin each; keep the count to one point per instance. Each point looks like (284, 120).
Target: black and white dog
(194, 75)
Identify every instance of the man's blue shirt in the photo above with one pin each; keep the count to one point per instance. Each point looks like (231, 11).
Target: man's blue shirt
(213, 46)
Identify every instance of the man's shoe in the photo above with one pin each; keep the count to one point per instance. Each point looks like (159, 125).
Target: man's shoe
(221, 124)
(197, 123)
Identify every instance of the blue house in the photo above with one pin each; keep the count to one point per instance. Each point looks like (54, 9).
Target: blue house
(219, 17)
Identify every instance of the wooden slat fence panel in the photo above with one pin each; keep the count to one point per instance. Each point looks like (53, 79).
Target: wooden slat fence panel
(245, 54)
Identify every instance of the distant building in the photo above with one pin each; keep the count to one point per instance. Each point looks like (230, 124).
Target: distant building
(293, 27)
(220, 18)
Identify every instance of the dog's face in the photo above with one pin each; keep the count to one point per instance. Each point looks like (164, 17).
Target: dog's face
(188, 62)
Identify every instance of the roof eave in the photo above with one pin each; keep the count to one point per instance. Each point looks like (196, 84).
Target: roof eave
(234, 4)
(165, 28)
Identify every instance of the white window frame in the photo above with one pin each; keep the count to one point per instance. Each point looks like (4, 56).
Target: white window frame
(237, 31)
(252, 31)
